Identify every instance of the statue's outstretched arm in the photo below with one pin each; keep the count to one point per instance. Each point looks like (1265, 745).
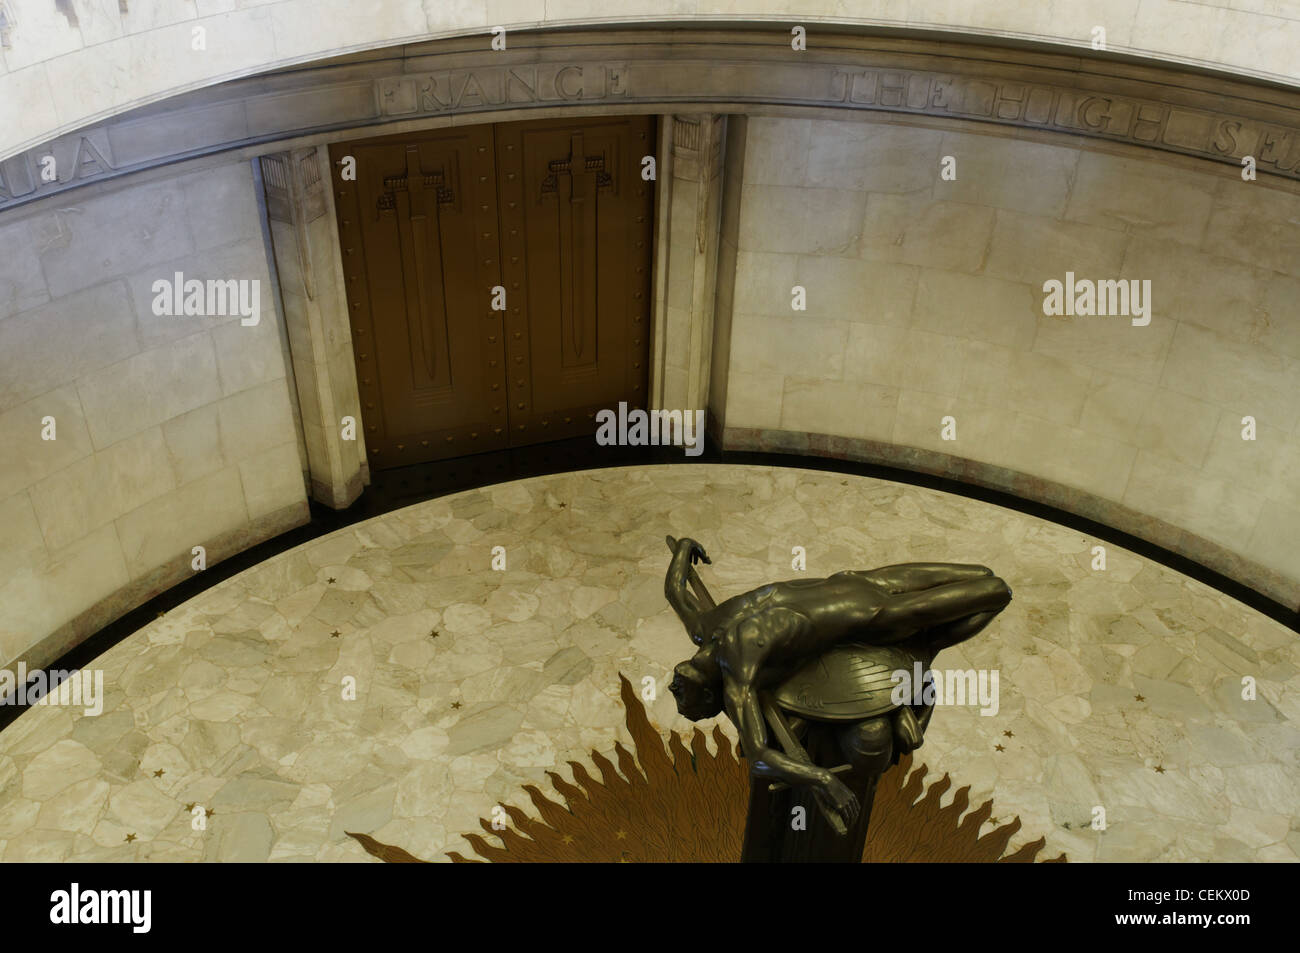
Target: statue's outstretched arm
(746, 712)
(835, 798)
(677, 586)
(741, 654)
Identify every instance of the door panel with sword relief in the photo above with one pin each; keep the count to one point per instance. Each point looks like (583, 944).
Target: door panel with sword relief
(577, 224)
(435, 221)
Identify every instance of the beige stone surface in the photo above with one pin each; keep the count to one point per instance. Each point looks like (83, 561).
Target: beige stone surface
(30, 458)
(149, 387)
(855, 408)
(161, 420)
(22, 286)
(22, 542)
(43, 594)
(180, 520)
(1119, 193)
(916, 229)
(194, 443)
(96, 489)
(1255, 226)
(942, 297)
(811, 221)
(111, 235)
(244, 260)
(1001, 172)
(848, 156)
(63, 340)
(271, 479)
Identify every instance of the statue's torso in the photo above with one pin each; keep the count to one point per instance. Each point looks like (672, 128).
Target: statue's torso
(802, 617)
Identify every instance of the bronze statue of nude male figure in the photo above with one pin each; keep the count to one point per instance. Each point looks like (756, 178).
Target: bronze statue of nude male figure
(846, 629)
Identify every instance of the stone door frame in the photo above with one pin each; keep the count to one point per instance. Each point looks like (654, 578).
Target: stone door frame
(308, 256)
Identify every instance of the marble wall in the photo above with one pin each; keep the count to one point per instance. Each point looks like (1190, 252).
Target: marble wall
(925, 299)
(65, 64)
(169, 432)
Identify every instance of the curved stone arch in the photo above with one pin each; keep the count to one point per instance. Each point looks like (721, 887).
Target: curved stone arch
(1174, 111)
(67, 68)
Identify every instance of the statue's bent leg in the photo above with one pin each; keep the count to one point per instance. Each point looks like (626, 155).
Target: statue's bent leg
(868, 746)
(913, 577)
(907, 614)
(943, 636)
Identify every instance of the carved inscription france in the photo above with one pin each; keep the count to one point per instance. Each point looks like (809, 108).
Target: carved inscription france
(465, 90)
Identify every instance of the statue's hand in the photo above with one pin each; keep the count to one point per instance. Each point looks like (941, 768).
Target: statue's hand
(839, 803)
(698, 555)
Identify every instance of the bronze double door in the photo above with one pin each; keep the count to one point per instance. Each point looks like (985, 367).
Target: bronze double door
(498, 282)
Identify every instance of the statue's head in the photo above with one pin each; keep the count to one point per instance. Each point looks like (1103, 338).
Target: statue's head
(697, 686)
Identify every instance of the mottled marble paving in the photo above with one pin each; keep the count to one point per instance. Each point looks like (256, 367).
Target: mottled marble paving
(471, 682)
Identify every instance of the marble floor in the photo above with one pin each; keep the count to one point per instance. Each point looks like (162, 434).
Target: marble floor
(386, 679)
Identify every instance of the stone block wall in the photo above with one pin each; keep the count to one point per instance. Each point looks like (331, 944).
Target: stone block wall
(170, 432)
(925, 299)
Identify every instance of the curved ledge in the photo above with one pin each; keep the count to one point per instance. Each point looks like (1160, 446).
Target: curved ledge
(654, 69)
